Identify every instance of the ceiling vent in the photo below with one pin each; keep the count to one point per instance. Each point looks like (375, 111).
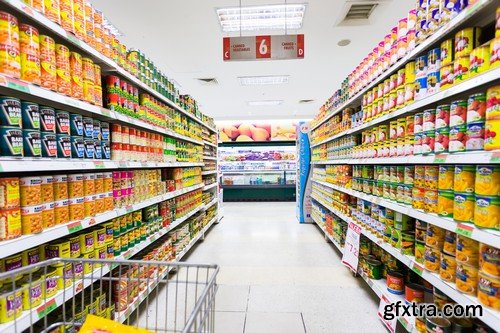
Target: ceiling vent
(208, 81)
(360, 11)
(306, 101)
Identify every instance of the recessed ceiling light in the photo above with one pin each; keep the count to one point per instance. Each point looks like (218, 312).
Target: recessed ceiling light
(344, 42)
(265, 103)
(263, 80)
(269, 17)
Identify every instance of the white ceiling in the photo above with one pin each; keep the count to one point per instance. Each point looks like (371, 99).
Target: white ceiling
(183, 37)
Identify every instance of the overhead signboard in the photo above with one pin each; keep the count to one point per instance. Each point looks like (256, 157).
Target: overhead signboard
(275, 47)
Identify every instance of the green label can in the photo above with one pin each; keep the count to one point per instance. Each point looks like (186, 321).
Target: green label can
(49, 144)
(32, 143)
(63, 146)
(11, 142)
(30, 115)
(10, 112)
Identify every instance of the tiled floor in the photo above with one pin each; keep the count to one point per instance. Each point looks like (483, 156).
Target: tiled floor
(280, 276)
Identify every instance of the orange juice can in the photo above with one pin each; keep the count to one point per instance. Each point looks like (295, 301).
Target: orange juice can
(48, 71)
(29, 40)
(75, 60)
(63, 69)
(51, 10)
(9, 30)
(66, 13)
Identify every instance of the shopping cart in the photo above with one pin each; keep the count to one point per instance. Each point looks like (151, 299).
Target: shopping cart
(56, 295)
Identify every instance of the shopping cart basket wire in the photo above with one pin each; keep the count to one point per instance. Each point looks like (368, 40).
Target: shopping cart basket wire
(56, 295)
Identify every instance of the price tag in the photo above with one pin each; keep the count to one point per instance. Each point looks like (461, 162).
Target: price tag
(127, 254)
(390, 324)
(46, 308)
(417, 268)
(27, 10)
(105, 112)
(73, 39)
(440, 158)
(351, 248)
(122, 164)
(74, 227)
(129, 208)
(98, 164)
(464, 230)
(18, 86)
(91, 221)
(495, 157)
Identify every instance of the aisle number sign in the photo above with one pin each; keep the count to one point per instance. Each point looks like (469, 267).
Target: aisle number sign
(351, 247)
(276, 47)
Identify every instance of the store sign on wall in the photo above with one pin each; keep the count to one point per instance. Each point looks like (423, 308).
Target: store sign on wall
(276, 47)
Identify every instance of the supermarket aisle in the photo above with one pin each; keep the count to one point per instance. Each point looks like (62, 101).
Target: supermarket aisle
(279, 276)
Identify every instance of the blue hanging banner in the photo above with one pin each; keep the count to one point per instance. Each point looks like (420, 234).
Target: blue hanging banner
(303, 195)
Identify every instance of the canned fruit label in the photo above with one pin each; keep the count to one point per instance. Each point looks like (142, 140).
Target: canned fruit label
(442, 140)
(442, 116)
(487, 180)
(458, 113)
(433, 82)
(466, 40)
(62, 122)
(476, 108)
(447, 52)
(475, 136)
(461, 69)
(47, 119)
(10, 112)
(30, 115)
(421, 67)
(487, 212)
(434, 60)
(11, 143)
(32, 143)
(420, 88)
(429, 120)
(457, 138)
(428, 141)
(63, 146)
(493, 102)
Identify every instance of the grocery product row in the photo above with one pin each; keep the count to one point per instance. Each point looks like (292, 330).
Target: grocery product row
(415, 36)
(96, 42)
(68, 280)
(437, 258)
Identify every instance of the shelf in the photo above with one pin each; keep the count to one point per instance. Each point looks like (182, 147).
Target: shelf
(479, 11)
(28, 164)
(489, 237)
(209, 186)
(10, 247)
(472, 83)
(206, 143)
(490, 317)
(122, 316)
(210, 158)
(107, 64)
(211, 203)
(263, 186)
(337, 245)
(25, 90)
(472, 157)
(259, 161)
(211, 172)
(255, 171)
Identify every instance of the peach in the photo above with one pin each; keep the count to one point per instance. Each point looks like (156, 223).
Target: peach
(260, 134)
(231, 131)
(243, 138)
(246, 129)
(223, 137)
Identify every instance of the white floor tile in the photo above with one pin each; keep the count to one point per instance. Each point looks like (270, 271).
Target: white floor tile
(261, 322)
(231, 298)
(229, 322)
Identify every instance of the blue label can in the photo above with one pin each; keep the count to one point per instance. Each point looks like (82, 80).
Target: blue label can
(77, 147)
(76, 124)
(106, 150)
(104, 131)
(63, 146)
(97, 129)
(88, 127)
(89, 148)
(97, 149)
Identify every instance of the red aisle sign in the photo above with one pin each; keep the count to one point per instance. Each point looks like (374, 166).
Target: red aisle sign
(275, 47)
(263, 47)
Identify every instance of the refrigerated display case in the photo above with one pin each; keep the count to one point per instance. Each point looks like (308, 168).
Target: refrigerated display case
(259, 172)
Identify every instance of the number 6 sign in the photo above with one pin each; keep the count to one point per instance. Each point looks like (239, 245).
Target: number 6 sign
(263, 47)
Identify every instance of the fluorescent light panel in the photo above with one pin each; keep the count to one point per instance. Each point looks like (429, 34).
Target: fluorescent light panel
(269, 17)
(265, 103)
(263, 80)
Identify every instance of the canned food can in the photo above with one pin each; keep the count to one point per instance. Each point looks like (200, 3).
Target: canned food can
(76, 75)
(11, 141)
(479, 60)
(445, 203)
(447, 52)
(63, 146)
(433, 82)
(77, 147)
(441, 144)
(457, 138)
(32, 143)
(76, 124)
(495, 52)
(49, 144)
(10, 28)
(97, 149)
(475, 136)
(62, 122)
(420, 88)
(63, 70)
(461, 69)
(421, 67)
(428, 141)
(88, 127)
(446, 73)
(429, 120)
(89, 147)
(466, 40)
(434, 60)
(458, 113)
(10, 112)
(106, 150)
(96, 126)
(88, 91)
(48, 65)
(30, 68)
(487, 212)
(30, 115)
